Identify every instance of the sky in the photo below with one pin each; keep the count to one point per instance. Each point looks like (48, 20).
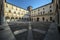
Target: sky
(25, 3)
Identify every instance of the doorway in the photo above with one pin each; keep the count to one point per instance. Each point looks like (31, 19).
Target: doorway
(37, 19)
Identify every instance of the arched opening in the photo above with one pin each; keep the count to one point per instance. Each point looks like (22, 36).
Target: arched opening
(19, 18)
(50, 18)
(16, 18)
(43, 18)
(37, 19)
(7, 19)
(12, 18)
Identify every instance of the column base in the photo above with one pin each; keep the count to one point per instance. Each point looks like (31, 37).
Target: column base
(5, 33)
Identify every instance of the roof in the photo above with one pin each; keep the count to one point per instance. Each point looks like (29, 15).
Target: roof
(16, 6)
(30, 6)
(42, 6)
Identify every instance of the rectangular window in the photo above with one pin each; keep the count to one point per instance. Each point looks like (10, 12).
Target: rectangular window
(50, 6)
(50, 10)
(43, 12)
(43, 8)
(50, 18)
(9, 11)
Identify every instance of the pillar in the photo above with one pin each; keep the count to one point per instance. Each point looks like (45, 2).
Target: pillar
(5, 32)
(56, 4)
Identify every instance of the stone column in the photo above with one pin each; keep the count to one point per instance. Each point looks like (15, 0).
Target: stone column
(5, 32)
(56, 4)
(59, 10)
(56, 8)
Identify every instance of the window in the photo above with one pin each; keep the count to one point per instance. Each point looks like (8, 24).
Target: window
(6, 5)
(19, 18)
(12, 7)
(43, 8)
(12, 17)
(50, 18)
(43, 12)
(50, 6)
(9, 11)
(14, 12)
(50, 10)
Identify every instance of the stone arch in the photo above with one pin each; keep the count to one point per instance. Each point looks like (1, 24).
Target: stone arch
(12, 17)
(7, 17)
(37, 18)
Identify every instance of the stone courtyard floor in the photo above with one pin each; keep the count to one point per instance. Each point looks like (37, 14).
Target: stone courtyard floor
(34, 31)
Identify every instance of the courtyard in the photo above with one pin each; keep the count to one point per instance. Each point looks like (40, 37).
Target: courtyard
(30, 30)
(40, 23)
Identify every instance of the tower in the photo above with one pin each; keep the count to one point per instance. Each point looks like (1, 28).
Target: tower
(29, 8)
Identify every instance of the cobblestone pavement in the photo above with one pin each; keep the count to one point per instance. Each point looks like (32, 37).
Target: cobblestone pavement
(52, 33)
(32, 30)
